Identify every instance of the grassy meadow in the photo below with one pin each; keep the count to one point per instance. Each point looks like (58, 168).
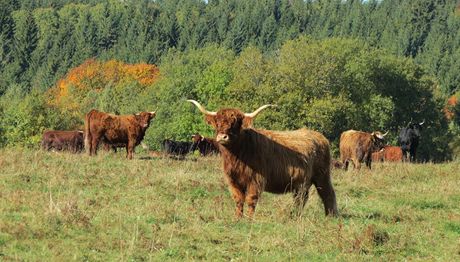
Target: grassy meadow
(60, 206)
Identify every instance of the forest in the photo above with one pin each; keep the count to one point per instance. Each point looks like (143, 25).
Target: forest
(329, 65)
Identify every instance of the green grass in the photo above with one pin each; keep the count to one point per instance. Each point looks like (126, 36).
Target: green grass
(59, 206)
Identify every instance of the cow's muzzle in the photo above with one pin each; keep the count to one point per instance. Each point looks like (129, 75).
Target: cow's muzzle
(222, 138)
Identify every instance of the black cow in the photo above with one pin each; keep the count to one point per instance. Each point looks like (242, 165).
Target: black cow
(178, 148)
(409, 138)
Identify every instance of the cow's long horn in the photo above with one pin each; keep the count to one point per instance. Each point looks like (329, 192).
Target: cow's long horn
(152, 113)
(423, 122)
(255, 113)
(201, 108)
(385, 134)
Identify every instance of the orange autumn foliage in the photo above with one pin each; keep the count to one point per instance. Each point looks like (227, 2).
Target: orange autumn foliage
(93, 75)
(448, 109)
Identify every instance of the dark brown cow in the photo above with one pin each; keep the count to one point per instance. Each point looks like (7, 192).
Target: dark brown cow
(206, 146)
(63, 140)
(388, 154)
(358, 146)
(115, 130)
(257, 160)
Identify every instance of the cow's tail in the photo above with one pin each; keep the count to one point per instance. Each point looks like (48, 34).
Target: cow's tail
(88, 136)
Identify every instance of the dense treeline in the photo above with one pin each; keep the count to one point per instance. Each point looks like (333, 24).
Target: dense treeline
(41, 40)
(380, 64)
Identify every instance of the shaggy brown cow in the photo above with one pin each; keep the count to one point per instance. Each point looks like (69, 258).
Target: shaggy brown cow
(206, 146)
(257, 160)
(358, 146)
(388, 154)
(63, 140)
(115, 130)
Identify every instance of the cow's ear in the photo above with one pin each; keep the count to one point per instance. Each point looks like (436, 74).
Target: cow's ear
(247, 122)
(211, 120)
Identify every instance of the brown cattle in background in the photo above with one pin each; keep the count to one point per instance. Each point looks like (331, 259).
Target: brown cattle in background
(388, 154)
(358, 146)
(256, 160)
(115, 130)
(63, 140)
(206, 146)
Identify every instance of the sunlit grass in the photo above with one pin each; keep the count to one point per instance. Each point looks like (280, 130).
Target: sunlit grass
(59, 206)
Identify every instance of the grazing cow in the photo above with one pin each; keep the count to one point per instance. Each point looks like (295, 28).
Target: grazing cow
(358, 146)
(206, 146)
(63, 140)
(115, 130)
(256, 160)
(409, 138)
(177, 148)
(388, 154)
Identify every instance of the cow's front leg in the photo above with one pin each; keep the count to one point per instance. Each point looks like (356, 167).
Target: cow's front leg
(368, 160)
(252, 197)
(357, 163)
(238, 196)
(130, 149)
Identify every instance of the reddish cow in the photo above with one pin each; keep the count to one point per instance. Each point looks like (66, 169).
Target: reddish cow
(388, 154)
(115, 130)
(63, 140)
(379, 155)
(206, 146)
(358, 146)
(256, 160)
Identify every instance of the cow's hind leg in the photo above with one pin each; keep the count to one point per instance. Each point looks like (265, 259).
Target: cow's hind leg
(323, 184)
(300, 199)
(93, 147)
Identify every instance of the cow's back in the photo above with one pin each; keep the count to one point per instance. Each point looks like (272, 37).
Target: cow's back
(393, 154)
(286, 159)
(353, 143)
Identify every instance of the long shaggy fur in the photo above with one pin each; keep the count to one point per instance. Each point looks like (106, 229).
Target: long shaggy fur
(388, 154)
(275, 161)
(358, 146)
(63, 140)
(126, 130)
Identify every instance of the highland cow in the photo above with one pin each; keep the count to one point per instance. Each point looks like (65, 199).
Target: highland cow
(256, 160)
(115, 130)
(358, 146)
(63, 140)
